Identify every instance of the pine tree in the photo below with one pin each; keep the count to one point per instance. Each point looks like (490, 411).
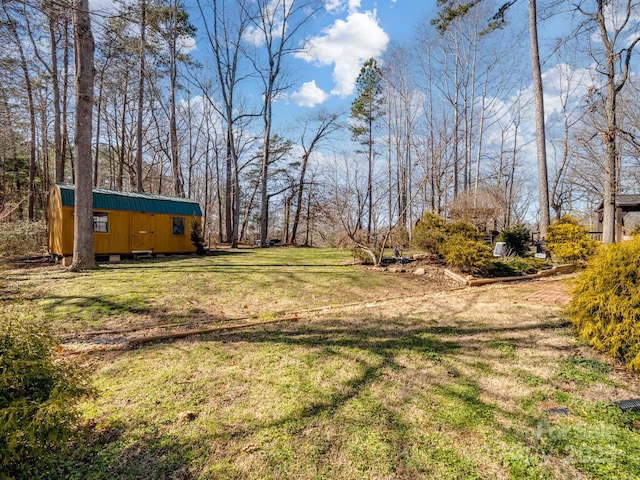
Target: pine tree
(366, 109)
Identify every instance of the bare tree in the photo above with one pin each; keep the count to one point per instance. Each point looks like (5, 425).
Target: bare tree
(448, 13)
(326, 124)
(617, 37)
(276, 24)
(11, 24)
(225, 29)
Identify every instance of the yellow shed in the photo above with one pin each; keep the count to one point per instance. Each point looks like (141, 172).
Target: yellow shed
(124, 223)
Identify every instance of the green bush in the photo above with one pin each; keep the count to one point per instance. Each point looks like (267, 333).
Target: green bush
(22, 238)
(196, 235)
(605, 306)
(429, 233)
(38, 395)
(466, 254)
(464, 230)
(517, 266)
(517, 238)
(569, 242)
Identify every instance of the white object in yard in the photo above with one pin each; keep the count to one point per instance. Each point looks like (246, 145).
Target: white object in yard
(500, 249)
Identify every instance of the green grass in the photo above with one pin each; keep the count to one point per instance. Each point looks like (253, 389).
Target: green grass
(228, 285)
(448, 387)
(584, 371)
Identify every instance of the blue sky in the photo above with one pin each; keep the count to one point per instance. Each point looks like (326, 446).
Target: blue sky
(339, 40)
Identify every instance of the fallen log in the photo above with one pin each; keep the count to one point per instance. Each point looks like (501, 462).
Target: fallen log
(557, 270)
(456, 277)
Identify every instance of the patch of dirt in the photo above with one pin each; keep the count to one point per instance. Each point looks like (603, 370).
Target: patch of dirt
(28, 262)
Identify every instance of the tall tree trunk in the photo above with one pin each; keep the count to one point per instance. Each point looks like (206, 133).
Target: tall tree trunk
(264, 179)
(141, 73)
(610, 33)
(178, 188)
(65, 104)
(122, 154)
(370, 182)
(543, 183)
(55, 83)
(96, 157)
(83, 256)
(32, 114)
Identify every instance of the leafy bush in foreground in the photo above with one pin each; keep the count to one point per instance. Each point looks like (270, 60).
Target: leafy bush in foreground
(38, 395)
(569, 241)
(517, 238)
(606, 302)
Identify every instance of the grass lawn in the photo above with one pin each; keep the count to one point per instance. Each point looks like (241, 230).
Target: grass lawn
(428, 384)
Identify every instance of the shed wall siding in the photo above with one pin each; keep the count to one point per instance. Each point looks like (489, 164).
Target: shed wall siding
(124, 231)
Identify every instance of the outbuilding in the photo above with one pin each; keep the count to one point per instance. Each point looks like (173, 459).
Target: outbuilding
(624, 204)
(124, 223)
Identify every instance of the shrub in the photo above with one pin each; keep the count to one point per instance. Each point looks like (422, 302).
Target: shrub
(196, 235)
(429, 233)
(466, 254)
(517, 266)
(517, 238)
(365, 255)
(22, 238)
(605, 306)
(464, 230)
(569, 242)
(38, 395)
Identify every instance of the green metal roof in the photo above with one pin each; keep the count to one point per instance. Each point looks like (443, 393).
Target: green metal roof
(133, 201)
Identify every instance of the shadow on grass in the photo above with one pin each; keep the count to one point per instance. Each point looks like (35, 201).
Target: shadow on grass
(451, 400)
(144, 454)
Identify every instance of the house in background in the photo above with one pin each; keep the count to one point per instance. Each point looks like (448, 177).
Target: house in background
(625, 205)
(124, 223)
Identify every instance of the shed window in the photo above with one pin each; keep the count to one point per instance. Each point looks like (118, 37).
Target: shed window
(177, 225)
(101, 222)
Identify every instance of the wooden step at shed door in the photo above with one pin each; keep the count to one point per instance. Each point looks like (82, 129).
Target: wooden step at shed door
(142, 225)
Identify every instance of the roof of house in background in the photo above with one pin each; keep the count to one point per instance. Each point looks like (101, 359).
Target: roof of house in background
(133, 201)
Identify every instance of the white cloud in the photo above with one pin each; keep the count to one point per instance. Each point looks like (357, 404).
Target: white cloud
(309, 95)
(339, 6)
(346, 45)
(186, 44)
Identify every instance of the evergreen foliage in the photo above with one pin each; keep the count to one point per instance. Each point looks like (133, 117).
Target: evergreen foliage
(518, 239)
(515, 266)
(467, 254)
(196, 235)
(463, 229)
(459, 244)
(569, 241)
(38, 395)
(606, 302)
(366, 108)
(429, 233)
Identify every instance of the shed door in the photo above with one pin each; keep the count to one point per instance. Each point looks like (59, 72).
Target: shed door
(141, 232)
